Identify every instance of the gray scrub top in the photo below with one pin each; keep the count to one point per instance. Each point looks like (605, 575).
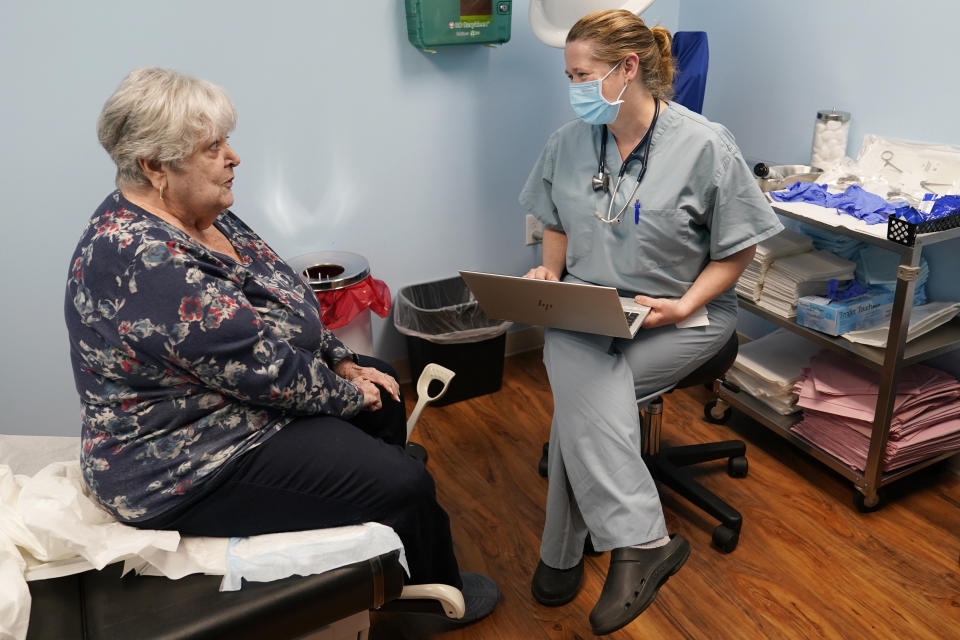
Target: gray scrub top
(698, 202)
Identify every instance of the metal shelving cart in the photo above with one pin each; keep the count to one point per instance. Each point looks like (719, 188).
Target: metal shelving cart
(887, 361)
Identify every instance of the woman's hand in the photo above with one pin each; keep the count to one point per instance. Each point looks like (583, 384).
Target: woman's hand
(716, 277)
(554, 251)
(662, 311)
(541, 273)
(353, 372)
(371, 394)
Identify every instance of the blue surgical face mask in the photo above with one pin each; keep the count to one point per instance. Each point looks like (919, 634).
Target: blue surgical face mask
(588, 102)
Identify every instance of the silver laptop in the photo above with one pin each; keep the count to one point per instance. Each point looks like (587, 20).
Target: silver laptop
(564, 305)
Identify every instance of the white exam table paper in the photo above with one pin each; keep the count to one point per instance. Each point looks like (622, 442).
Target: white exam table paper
(50, 527)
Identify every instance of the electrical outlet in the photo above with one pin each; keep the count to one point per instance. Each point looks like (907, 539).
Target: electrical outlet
(533, 230)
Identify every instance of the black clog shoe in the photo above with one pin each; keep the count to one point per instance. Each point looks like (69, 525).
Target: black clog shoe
(633, 580)
(554, 587)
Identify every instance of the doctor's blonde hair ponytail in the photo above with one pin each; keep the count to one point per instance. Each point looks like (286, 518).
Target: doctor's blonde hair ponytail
(616, 33)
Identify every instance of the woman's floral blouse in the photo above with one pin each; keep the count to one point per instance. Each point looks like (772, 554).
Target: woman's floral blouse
(184, 358)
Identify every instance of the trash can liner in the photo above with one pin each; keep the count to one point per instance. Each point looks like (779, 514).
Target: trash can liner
(343, 285)
(341, 306)
(444, 312)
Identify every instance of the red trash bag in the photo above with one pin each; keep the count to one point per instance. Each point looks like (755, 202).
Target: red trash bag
(341, 306)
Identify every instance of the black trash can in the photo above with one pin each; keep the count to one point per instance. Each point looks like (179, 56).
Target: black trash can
(443, 323)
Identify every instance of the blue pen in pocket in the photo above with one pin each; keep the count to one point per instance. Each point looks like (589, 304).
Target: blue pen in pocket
(636, 212)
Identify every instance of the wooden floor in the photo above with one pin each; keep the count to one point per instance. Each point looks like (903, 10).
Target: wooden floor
(809, 565)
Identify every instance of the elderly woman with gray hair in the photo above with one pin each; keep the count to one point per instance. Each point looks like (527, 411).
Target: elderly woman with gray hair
(214, 401)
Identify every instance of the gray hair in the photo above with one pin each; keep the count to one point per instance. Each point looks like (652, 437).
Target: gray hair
(160, 114)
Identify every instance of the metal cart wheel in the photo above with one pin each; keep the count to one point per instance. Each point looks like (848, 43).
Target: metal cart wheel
(864, 506)
(737, 467)
(725, 539)
(717, 412)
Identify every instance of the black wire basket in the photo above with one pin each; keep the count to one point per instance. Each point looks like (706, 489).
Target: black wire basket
(904, 232)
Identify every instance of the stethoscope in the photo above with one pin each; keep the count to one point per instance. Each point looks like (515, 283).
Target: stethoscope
(601, 181)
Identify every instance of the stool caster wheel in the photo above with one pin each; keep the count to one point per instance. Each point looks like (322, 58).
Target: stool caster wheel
(417, 451)
(725, 539)
(864, 506)
(717, 412)
(542, 465)
(737, 467)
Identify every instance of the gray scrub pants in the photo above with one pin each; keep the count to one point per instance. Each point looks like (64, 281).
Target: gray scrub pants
(598, 482)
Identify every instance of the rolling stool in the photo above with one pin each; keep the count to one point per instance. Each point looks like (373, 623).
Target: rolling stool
(666, 464)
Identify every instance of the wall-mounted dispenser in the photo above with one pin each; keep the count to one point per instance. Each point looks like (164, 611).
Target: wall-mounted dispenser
(438, 23)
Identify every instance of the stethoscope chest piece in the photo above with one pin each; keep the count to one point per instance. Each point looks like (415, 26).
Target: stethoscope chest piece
(601, 181)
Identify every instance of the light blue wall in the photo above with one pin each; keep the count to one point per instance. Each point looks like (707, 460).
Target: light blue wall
(773, 65)
(350, 139)
(890, 63)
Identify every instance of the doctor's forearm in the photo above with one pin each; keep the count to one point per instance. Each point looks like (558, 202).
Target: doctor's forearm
(554, 251)
(717, 277)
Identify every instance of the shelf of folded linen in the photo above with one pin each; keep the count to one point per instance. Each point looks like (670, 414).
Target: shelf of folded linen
(786, 243)
(803, 274)
(768, 368)
(868, 347)
(839, 400)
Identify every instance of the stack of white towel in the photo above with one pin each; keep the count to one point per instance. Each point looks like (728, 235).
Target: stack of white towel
(786, 243)
(803, 274)
(768, 368)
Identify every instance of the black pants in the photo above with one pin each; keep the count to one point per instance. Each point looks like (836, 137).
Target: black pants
(322, 471)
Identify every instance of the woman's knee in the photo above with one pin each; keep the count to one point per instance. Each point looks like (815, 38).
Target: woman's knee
(411, 483)
(395, 409)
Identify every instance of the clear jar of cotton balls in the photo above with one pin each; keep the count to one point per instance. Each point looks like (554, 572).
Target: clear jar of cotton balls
(830, 138)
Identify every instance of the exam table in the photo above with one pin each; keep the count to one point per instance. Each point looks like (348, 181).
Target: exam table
(106, 603)
(70, 598)
(96, 605)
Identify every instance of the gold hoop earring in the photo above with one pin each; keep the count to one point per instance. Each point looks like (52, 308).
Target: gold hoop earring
(161, 193)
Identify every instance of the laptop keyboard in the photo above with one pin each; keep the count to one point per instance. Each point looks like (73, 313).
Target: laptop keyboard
(634, 313)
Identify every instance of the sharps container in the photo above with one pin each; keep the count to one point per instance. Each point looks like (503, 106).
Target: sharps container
(829, 138)
(342, 283)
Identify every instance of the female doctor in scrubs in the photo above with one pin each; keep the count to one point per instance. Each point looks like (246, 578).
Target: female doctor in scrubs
(678, 240)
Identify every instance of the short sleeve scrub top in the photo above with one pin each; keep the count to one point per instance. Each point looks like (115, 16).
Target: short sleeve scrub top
(698, 202)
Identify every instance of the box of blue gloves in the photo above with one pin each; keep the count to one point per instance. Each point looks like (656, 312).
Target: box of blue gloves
(834, 317)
